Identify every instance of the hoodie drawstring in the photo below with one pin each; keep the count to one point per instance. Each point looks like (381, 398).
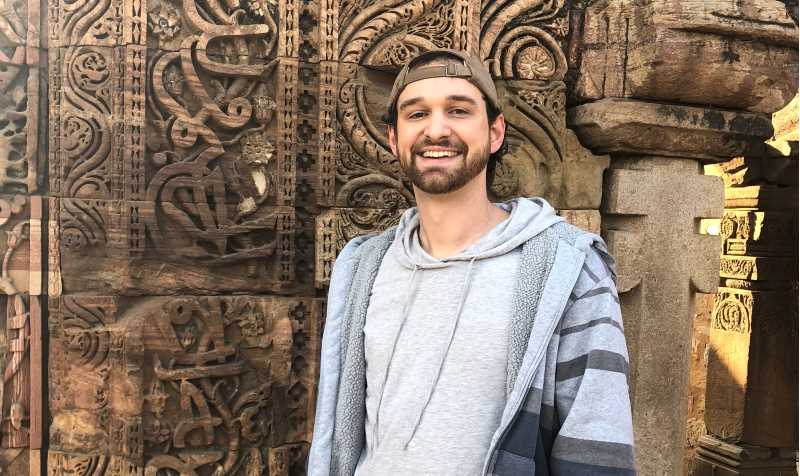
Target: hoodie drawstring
(456, 318)
(406, 309)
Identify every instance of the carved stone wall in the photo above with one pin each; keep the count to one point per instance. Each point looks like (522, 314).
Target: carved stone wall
(751, 386)
(176, 179)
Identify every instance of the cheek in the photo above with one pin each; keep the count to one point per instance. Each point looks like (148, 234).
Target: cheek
(406, 138)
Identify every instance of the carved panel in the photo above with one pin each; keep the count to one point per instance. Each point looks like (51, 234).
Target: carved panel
(19, 98)
(96, 117)
(20, 333)
(338, 226)
(758, 268)
(196, 385)
(145, 247)
(758, 233)
(733, 311)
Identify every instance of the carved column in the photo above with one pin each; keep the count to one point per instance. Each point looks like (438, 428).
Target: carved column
(751, 392)
(21, 218)
(643, 65)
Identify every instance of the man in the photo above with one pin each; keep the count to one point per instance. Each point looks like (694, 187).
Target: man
(473, 338)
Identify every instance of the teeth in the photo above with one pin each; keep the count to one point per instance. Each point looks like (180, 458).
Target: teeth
(438, 154)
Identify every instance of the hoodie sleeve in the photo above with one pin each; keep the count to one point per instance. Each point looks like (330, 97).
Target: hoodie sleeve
(319, 457)
(595, 434)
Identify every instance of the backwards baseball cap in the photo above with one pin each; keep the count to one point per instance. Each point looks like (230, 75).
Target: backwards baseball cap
(470, 69)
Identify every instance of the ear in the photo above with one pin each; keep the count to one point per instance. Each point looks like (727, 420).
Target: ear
(497, 133)
(390, 132)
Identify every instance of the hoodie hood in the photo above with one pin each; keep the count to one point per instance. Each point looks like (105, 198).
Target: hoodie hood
(528, 217)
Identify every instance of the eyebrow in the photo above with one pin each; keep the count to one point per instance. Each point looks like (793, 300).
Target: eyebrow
(451, 98)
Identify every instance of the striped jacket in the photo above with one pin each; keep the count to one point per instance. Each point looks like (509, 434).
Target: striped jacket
(567, 411)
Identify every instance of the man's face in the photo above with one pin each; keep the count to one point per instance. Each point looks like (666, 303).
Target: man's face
(443, 138)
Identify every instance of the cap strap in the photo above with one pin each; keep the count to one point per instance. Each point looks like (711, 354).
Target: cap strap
(452, 70)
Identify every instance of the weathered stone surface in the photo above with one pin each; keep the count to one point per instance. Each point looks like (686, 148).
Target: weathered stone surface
(698, 367)
(752, 376)
(649, 128)
(715, 53)
(144, 380)
(762, 196)
(716, 457)
(744, 171)
(662, 261)
(127, 247)
(759, 233)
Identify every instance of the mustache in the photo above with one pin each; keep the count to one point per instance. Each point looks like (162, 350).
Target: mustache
(451, 143)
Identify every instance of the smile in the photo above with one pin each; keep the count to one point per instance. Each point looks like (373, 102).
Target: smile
(438, 154)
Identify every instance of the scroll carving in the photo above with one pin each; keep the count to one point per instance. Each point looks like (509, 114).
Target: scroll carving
(525, 54)
(196, 385)
(732, 312)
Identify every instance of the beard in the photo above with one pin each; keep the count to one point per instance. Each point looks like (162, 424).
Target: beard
(439, 180)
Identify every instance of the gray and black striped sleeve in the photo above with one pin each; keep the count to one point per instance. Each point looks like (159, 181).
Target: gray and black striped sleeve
(595, 431)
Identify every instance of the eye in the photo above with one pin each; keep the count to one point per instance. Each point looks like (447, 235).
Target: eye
(416, 115)
(459, 111)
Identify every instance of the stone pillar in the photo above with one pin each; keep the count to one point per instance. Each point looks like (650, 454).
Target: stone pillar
(644, 68)
(653, 200)
(752, 391)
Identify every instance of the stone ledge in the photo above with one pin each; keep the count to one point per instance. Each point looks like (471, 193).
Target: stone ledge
(625, 126)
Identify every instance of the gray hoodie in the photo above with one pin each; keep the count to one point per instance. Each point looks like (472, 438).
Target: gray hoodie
(436, 340)
(566, 409)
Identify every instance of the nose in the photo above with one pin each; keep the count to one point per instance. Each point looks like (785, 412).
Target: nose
(438, 126)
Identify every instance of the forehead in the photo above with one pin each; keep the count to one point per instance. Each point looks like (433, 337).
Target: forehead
(438, 89)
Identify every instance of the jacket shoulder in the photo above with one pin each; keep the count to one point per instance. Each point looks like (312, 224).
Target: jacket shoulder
(345, 265)
(599, 261)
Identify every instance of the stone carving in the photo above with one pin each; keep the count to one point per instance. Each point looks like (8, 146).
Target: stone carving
(16, 342)
(190, 384)
(732, 312)
(524, 52)
(336, 227)
(19, 98)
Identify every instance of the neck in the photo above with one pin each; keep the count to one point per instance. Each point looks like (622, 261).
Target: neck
(453, 221)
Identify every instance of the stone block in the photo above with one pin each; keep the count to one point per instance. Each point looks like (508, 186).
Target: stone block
(662, 261)
(726, 50)
(719, 458)
(763, 197)
(129, 247)
(649, 128)
(747, 171)
(759, 233)
(146, 379)
(752, 371)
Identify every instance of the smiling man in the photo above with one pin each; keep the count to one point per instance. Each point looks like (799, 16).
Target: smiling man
(473, 338)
